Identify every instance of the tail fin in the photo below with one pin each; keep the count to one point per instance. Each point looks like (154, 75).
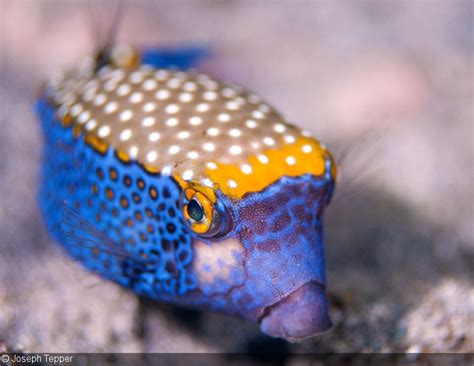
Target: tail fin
(179, 57)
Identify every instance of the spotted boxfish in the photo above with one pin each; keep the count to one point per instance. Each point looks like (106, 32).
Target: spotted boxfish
(186, 189)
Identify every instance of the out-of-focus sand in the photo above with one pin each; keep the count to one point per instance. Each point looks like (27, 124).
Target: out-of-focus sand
(391, 81)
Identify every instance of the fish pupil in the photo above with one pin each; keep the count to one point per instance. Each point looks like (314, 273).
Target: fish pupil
(195, 210)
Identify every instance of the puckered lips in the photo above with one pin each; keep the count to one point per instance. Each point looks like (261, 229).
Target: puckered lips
(301, 314)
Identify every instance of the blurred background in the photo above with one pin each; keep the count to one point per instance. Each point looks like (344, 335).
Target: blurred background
(389, 85)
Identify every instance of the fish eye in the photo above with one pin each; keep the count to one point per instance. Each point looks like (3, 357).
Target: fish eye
(194, 210)
(204, 217)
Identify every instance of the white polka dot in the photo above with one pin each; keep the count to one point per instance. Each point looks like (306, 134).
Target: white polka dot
(253, 98)
(146, 69)
(235, 132)
(307, 148)
(89, 95)
(202, 78)
(181, 75)
(193, 155)
(104, 72)
(100, 99)
(136, 77)
(258, 114)
(210, 95)
(67, 98)
(306, 133)
(211, 84)
(110, 85)
(76, 109)
(231, 105)
(123, 89)
(166, 170)
(211, 166)
(251, 123)
(185, 97)
(183, 135)
(126, 115)
(125, 135)
(91, 124)
(148, 121)
(151, 156)
(268, 141)
(235, 150)
(290, 160)
(232, 183)
(133, 151)
(264, 108)
(255, 145)
(190, 86)
(149, 84)
(110, 107)
(246, 169)
(117, 75)
(213, 131)
(228, 92)
(195, 121)
(207, 182)
(289, 139)
(154, 136)
(209, 146)
(171, 122)
(172, 108)
(173, 83)
(92, 85)
(162, 94)
(103, 131)
(136, 97)
(202, 107)
(262, 158)
(84, 117)
(188, 174)
(223, 117)
(62, 110)
(279, 127)
(239, 100)
(174, 149)
(161, 74)
(149, 107)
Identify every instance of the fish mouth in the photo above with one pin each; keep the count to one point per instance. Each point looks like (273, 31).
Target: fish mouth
(299, 315)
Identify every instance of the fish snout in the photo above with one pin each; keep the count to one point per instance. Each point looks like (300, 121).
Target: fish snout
(299, 315)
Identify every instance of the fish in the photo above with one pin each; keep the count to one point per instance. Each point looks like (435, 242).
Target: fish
(186, 189)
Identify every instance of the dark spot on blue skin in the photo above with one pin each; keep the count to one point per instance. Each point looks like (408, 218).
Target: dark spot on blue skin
(171, 268)
(171, 228)
(269, 245)
(166, 193)
(127, 181)
(281, 222)
(166, 245)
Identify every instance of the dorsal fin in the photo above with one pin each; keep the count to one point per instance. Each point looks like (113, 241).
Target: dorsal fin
(105, 38)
